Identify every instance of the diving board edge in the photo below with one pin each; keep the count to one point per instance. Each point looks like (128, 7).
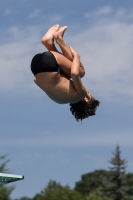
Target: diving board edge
(8, 178)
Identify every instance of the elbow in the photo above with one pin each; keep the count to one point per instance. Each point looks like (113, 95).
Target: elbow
(82, 73)
(74, 74)
(43, 40)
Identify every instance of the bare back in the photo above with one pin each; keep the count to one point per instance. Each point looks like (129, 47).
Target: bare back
(57, 87)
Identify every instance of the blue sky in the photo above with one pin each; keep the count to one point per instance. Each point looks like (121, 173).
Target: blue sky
(42, 139)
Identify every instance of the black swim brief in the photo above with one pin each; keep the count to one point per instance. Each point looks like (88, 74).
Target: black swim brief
(44, 62)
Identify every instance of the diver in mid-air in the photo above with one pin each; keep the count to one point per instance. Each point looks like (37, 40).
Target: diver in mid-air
(59, 75)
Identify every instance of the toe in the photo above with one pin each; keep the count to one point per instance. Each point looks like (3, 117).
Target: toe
(56, 25)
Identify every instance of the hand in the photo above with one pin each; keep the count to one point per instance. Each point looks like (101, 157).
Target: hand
(74, 52)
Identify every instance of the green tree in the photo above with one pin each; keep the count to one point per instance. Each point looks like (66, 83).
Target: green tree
(90, 182)
(4, 191)
(24, 198)
(116, 184)
(54, 191)
(94, 195)
(3, 164)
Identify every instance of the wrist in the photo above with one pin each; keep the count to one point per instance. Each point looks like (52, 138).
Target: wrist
(77, 55)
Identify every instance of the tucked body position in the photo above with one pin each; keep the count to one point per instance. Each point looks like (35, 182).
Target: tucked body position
(59, 75)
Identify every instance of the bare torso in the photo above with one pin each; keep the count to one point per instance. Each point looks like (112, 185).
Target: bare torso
(57, 87)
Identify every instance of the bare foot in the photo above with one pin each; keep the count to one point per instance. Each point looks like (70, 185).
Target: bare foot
(58, 35)
(49, 35)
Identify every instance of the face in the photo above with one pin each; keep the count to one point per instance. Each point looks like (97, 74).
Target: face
(87, 97)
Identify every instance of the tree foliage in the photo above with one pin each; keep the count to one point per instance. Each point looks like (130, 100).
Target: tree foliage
(55, 191)
(90, 181)
(24, 198)
(3, 163)
(4, 191)
(116, 184)
(94, 195)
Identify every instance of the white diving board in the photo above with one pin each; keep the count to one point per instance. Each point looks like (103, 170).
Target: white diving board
(8, 178)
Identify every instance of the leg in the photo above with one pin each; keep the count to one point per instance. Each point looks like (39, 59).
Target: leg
(48, 40)
(64, 63)
(58, 36)
(53, 33)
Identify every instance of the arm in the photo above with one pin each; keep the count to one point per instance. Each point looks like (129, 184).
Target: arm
(75, 74)
(82, 70)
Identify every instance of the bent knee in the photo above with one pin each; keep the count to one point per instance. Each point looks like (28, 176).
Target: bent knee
(82, 73)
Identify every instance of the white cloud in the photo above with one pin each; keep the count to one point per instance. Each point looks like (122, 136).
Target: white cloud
(7, 12)
(121, 12)
(124, 14)
(56, 18)
(100, 139)
(16, 57)
(106, 10)
(106, 52)
(35, 13)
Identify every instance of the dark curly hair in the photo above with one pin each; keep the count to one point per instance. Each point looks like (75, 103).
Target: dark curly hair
(82, 109)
